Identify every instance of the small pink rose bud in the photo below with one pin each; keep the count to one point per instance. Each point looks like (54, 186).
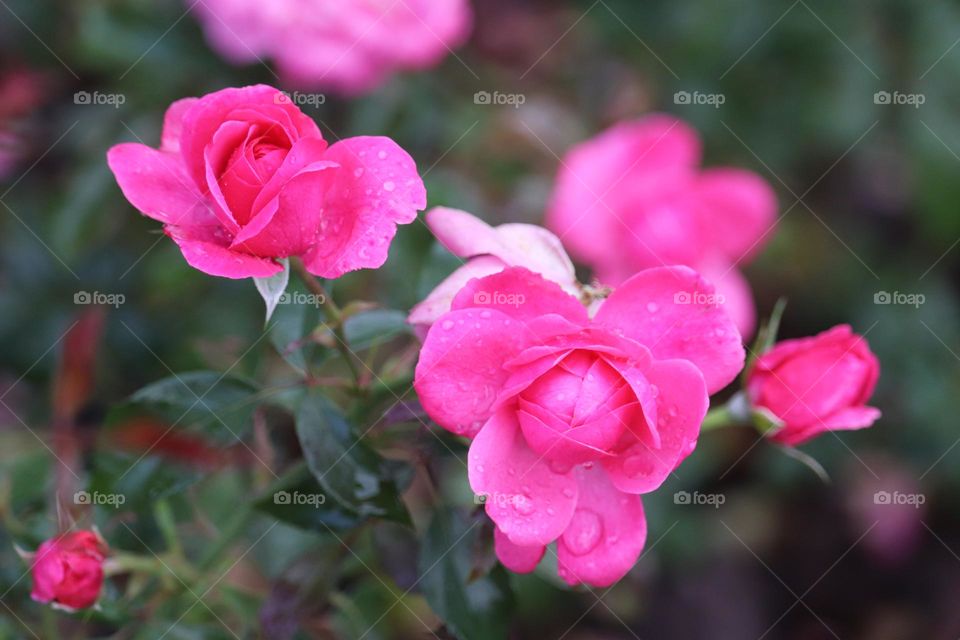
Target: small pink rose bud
(816, 384)
(68, 570)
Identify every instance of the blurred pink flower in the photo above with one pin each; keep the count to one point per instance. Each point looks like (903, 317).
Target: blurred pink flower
(816, 384)
(68, 570)
(346, 46)
(489, 250)
(635, 197)
(572, 417)
(242, 178)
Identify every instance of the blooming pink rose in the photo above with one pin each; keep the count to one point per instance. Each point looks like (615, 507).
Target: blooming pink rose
(348, 46)
(571, 417)
(68, 570)
(816, 384)
(489, 250)
(243, 178)
(635, 197)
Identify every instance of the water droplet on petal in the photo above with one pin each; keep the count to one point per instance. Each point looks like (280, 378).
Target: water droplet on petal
(652, 307)
(447, 324)
(382, 155)
(389, 185)
(584, 532)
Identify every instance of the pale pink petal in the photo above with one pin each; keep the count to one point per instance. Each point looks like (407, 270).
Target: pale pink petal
(463, 234)
(205, 248)
(157, 184)
(517, 245)
(460, 371)
(521, 294)
(540, 251)
(674, 313)
(504, 470)
(604, 536)
(440, 299)
(514, 557)
(682, 403)
(376, 188)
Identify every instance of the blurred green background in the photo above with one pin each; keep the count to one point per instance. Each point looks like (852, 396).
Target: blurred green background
(869, 202)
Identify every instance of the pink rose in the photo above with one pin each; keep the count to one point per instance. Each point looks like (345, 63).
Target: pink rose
(635, 197)
(571, 417)
(816, 384)
(489, 250)
(347, 46)
(68, 570)
(243, 178)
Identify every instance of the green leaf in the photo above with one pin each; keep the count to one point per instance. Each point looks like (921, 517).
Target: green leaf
(273, 288)
(219, 406)
(301, 501)
(473, 607)
(368, 328)
(766, 337)
(293, 325)
(351, 474)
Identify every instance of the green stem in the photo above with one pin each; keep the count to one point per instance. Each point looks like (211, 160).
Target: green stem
(718, 418)
(331, 310)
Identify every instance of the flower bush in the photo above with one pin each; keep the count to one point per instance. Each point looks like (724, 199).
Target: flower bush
(443, 414)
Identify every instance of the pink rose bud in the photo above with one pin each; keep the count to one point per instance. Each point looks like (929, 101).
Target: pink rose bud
(573, 416)
(816, 384)
(347, 46)
(68, 570)
(636, 197)
(242, 178)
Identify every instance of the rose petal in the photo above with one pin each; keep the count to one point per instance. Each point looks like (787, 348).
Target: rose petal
(173, 124)
(849, 419)
(517, 245)
(605, 535)
(460, 371)
(376, 188)
(205, 117)
(737, 210)
(737, 298)
(682, 403)
(505, 470)
(514, 557)
(521, 294)
(586, 203)
(157, 184)
(205, 248)
(440, 299)
(674, 312)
